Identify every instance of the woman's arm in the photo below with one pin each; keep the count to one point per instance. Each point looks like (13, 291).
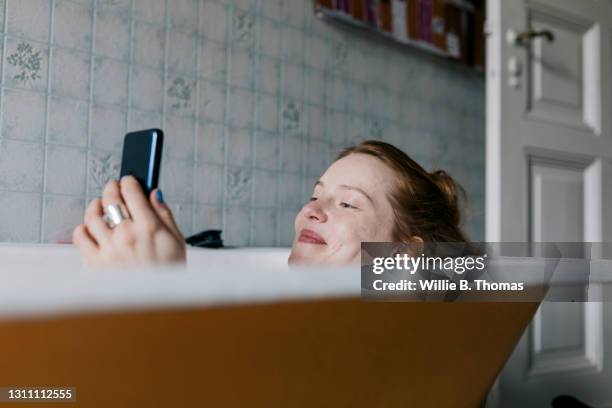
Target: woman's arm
(149, 235)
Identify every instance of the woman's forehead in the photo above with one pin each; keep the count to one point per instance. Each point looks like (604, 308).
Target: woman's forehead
(359, 170)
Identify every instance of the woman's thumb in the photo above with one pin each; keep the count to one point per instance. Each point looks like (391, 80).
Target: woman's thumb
(164, 212)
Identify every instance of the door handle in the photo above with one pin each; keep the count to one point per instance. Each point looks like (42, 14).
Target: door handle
(523, 38)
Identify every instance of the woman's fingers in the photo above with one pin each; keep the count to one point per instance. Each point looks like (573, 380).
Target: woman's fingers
(111, 195)
(84, 241)
(96, 226)
(137, 203)
(164, 213)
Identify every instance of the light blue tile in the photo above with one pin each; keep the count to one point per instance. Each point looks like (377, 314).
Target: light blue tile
(269, 37)
(237, 226)
(29, 19)
(292, 45)
(241, 107)
(183, 13)
(103, 167)
(107, 72)
(291, 191)
(208, 217)
(268, 75)
(293, 12)
(183, 215)
(26, 65)
(264, 227)
(70, 74)
(149, 40)
(65, 170)
(112, 34)
(318, 156)
(210, 143)
(267, 113)
(150, 10)
(68, 121)
(21, 166)
(316, 122)
(177, 180)
(62, 214)
(292, 154)
(272, 9)
(238, 186)
(265, 188)
(243, 29)
(213, 20)
(72, 25)
(147, 91)
(181, 96)
(179, 138)
(293, 81)
(182, 50)
(15, 226)
(24, 115)
(209, 184)
(212, 101)
(108, 127)
(140, 120)
(286, 227)
(239, 147)
(266, 150)
(241, 73)
(212, 60)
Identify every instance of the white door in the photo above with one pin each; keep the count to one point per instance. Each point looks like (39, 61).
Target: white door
(549, 179)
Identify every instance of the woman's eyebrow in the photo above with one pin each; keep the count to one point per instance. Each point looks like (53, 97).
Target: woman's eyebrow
(347, 187)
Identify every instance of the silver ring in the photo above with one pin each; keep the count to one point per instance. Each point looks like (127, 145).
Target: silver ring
(113, 215)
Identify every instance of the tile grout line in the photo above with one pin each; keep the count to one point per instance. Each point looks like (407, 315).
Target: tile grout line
(256, 120)
(131, 64)
(196, 130)
(46, 126)
(281, 128)
(94, 12)
(228, 60)
(165, 66)
(2, 69)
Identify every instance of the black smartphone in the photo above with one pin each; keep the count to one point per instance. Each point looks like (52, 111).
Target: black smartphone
(142, 151)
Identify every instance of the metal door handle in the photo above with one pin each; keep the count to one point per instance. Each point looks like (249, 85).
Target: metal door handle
(529, 35)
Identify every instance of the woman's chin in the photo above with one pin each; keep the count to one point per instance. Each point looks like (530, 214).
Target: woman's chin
(301, 255)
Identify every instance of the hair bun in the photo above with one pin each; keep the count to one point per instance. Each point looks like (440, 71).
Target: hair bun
(453, 193)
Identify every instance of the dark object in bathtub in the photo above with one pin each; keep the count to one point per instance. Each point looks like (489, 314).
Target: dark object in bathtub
(566, 401)
(207, 239)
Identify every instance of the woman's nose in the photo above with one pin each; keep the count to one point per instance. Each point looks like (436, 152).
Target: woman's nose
(315, 212)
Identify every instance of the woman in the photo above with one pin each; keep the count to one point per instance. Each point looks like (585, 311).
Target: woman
(371, 192)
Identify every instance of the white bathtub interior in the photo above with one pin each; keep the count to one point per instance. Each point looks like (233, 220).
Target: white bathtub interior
(43, 279)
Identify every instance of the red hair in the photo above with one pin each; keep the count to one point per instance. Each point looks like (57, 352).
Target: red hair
(425, 205)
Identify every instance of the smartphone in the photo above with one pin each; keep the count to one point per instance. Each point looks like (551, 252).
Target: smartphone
(142, 151)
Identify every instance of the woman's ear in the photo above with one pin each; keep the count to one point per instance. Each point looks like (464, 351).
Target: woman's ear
(416, 245)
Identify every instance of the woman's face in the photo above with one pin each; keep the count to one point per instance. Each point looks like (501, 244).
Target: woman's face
(349, 205)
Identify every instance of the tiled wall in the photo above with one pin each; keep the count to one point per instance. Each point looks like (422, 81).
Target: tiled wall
(255, 97)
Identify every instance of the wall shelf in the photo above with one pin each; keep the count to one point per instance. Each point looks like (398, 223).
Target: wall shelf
(325, 13)
(468, 42)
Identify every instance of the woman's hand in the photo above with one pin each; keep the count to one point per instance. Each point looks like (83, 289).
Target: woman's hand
(149, 235)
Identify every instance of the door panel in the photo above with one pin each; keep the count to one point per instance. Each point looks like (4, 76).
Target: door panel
(549, 179)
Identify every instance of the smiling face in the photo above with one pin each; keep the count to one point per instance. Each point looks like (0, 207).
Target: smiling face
(349, 205)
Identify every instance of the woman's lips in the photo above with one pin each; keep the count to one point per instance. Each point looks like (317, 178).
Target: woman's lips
(311, 237)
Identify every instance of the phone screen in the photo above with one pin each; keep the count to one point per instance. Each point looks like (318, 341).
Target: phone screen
(142, 157)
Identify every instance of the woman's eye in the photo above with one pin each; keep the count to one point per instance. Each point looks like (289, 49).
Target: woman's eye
(346, 205)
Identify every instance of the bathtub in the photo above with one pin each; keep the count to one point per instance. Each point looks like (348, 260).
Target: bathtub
(41, 279)
(238, 328)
